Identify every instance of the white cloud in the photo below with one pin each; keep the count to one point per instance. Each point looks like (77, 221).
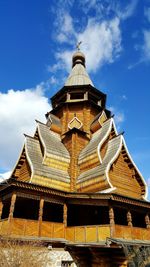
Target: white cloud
(103, 46)
(147, 13)
(100, 35)
(124, 97)
(4, 176)
(144, 50)
(64, 28)
(119, 116)
(53, 80)
(146, 46)
(104, 8)
(18, 110)
(128, 10)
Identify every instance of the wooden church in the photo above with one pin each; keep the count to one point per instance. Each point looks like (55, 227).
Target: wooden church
(75, 185)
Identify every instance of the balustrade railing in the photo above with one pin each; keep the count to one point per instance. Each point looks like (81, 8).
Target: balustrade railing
(75, 234)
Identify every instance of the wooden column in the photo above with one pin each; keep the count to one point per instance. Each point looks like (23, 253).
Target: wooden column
(111, 221)
(129, 218)
(1, 209)
(41, 206)
(65, 215)
(12, 206)
(111, 216)
(147, 221)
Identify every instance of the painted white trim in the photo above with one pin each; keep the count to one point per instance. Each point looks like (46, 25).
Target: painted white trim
(49, 117)
(122, 142)
(103, 113)
(108, 190)
(73, 120)
(29, 160)
(42, 141)
(112, 161)
(105, 137)
(142, 178)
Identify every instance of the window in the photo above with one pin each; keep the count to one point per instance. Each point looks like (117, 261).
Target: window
(66, 263)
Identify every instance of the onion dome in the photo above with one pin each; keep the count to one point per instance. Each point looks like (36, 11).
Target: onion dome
(78, 58)
(78, 75)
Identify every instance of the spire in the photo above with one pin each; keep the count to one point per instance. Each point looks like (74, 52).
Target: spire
(78, 75)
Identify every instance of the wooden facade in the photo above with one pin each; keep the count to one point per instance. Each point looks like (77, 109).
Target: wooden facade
(75, 184)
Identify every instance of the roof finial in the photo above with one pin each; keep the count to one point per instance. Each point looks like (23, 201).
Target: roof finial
(78, 45)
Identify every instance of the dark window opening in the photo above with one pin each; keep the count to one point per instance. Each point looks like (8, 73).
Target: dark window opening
(138, 219)
(53, 212)
(94, 99)
(26, 208)
(66, 263)
(74, 96)
(120, 216)
(87, 215)
(62, 99)
(6, 208)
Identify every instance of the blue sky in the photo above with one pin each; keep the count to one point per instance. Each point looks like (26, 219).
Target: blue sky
(37, 39)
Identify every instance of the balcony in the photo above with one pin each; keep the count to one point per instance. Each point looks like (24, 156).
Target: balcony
(73, 234)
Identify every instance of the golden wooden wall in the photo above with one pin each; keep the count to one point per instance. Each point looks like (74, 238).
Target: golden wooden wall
(77, 234)
(122, 177)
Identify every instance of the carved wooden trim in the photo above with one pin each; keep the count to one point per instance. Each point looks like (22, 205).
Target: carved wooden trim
(1, 209)
(41, 206)
(65, 215)
(147, 221)
(111, 221)
(129, 218)
(12, 206)
(111, 216)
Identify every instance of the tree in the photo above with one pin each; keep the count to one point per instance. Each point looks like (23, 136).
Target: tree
(19, 254)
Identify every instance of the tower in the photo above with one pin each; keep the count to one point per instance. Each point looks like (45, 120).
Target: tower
(75, 183)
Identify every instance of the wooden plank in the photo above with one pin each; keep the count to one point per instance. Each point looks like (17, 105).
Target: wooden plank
(31, 228)
(46, 229)
(79, 234)
(145, 233)
(91, 234)
(4, 227)
(59, 230)
(17, 227)
(70, 234)
(103, 232)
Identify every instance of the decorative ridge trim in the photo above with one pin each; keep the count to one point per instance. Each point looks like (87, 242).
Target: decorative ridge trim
(75, 118)
(29, 136)
(122, 142)
(29, 160)
(105, 137)
(112, 161)
(42, 141)
(37, 121)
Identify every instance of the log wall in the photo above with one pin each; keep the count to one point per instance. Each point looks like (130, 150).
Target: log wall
(122, 177)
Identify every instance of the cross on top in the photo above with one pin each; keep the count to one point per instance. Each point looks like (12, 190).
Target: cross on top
(78, 45)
